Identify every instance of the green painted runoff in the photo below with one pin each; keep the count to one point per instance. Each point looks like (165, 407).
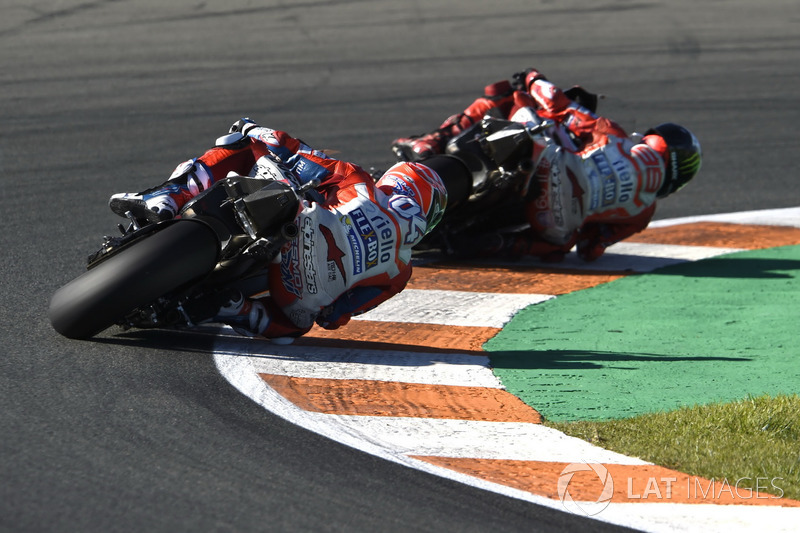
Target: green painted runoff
(715, 330)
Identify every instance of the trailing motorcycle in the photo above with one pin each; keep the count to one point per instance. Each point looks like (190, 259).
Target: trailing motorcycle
(159, 274)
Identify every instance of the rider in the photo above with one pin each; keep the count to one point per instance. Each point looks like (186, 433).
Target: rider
(599, 187)
(354, 245)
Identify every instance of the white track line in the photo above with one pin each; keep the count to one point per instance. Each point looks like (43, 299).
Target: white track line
(766, 217)
(452, 308)
(375, 365)
(476, 439)
(632, 257)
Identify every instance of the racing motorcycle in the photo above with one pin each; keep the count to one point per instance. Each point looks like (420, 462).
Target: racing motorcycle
(163, 274)
(502, 156)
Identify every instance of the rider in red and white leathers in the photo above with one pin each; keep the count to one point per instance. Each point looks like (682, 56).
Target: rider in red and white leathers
(597, 186)
(354, 245)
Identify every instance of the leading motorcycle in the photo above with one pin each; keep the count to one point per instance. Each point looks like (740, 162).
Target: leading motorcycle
(503, 156)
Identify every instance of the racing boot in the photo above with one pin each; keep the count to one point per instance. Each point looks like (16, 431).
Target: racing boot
(164, 202)
(419, 147)
(497, 99)
(154, 204)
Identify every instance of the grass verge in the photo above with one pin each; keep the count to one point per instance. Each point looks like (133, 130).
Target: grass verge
(754, 438)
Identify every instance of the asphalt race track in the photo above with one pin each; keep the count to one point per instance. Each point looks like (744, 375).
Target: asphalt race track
(138, 431)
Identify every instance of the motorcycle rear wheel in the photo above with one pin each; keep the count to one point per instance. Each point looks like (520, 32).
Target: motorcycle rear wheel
(181, 253)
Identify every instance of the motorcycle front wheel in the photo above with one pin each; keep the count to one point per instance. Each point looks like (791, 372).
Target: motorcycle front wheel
(182, 252)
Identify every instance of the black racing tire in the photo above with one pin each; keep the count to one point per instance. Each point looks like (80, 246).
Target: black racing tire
(182, 252)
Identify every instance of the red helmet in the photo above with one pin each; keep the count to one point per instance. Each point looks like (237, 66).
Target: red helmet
(416, 194)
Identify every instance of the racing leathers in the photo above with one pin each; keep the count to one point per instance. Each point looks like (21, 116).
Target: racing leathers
(597, 186)
(354, 245)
